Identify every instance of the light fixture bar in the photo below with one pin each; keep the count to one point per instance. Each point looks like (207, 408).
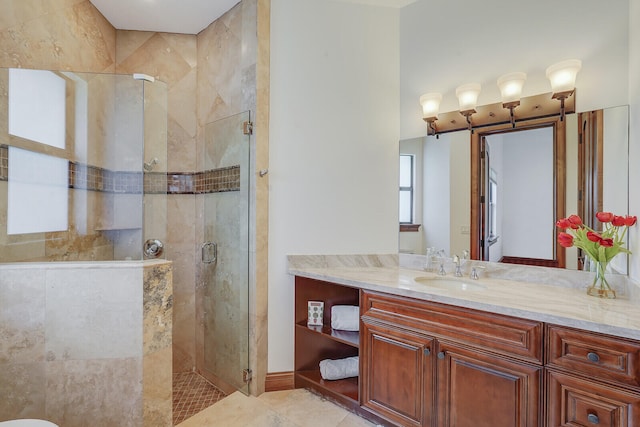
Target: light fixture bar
(531, 107)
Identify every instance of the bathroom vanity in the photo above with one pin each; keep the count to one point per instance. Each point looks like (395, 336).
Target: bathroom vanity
(494, 353)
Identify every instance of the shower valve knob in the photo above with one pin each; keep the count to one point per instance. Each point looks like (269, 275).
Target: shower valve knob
(153, 248)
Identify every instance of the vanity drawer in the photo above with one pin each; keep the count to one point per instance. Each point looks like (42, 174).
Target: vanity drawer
(595, 355)
(497, 333)
(574, 401)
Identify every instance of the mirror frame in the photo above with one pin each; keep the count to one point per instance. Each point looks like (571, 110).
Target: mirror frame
(559, 179)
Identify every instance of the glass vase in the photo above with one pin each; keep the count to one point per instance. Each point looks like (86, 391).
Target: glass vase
(600, 287)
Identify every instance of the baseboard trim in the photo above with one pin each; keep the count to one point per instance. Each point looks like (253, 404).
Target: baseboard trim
(277, 381)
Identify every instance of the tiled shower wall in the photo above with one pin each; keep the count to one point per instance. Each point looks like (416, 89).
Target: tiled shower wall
(172, 59)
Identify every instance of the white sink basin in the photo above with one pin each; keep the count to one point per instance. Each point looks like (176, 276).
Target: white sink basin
(450, 283)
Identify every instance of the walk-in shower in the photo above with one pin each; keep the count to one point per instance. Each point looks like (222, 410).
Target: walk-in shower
(87, 297)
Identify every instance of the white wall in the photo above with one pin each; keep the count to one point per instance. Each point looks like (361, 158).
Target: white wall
(448, 43)
(437, 206)
(615, 179)
(528, 217)
(460, 193)
(334, 127)
(634, 133)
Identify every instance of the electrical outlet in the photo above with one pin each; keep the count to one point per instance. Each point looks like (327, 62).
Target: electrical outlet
(465, 229)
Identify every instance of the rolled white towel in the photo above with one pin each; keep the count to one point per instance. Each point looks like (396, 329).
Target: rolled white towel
(345, 317)
(339, 369)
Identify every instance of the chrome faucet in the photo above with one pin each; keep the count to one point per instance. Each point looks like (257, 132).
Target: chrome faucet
(456, 261)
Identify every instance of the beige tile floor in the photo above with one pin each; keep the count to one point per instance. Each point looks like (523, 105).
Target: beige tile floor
(290, 408)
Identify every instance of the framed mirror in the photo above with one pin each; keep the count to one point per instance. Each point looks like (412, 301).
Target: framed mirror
(442, 202)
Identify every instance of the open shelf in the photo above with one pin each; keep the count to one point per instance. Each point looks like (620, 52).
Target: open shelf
(316, 343)
(351, 338)
(347, 387)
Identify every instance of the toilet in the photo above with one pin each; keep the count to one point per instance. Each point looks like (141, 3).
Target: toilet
(27, 423)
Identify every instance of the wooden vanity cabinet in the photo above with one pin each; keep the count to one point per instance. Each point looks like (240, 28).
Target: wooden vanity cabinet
(486, 390)
(428, 364)
(592, 379)
(398, 369)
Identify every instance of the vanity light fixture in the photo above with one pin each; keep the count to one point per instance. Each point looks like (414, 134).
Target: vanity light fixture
(430, 107)
(563, 80)
(468, 99)
(511, 90)
(562, 76)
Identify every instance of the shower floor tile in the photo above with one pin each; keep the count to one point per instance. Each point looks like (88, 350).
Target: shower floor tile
(191, 394)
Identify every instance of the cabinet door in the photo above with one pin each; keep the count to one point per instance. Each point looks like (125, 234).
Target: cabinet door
(398, 375)
(579, 402)
(478, 389)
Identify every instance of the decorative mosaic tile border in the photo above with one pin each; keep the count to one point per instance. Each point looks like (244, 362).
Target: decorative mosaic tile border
(4, 163)
(93, 178)
(209, 181)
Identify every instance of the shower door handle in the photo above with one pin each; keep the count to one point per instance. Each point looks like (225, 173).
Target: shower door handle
(209, 252)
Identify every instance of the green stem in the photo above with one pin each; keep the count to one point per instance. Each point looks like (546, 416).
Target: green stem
(600, 279)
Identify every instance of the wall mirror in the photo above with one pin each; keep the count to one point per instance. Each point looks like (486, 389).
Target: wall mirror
(520, 210)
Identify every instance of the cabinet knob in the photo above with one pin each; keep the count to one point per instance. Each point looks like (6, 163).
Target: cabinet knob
(441, 355)
(593, 419)
(593, 357)
(427, 352)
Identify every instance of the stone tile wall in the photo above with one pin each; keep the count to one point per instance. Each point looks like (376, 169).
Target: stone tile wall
(171, 58)
(79, 338)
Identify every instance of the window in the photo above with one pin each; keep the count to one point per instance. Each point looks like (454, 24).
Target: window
(37, 194)
(38, 181)
(406, 188)
(493, 207)
(37, 106)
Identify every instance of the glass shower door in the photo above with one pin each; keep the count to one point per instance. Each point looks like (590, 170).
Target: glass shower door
(225, 250)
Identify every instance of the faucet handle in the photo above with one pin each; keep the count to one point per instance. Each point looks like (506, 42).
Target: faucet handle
(474, 272)
(456, 261)
(458, 272)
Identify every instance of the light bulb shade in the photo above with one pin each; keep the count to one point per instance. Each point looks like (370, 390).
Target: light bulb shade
(511, 86)
(468, 96)
(563, 75)
(430, 105)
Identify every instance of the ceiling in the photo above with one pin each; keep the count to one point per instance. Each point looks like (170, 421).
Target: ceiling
(169, 16)
(183, 16)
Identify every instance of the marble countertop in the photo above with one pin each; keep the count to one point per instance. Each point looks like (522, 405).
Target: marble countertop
(562, 305)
